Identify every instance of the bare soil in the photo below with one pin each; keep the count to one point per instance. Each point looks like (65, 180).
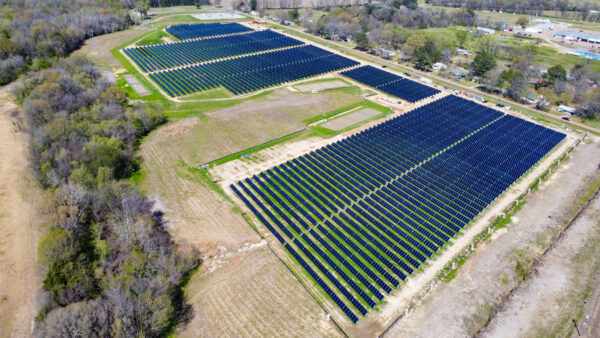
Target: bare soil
(350, 119)
(539, 304)
(19, 279)
(320, 86)
(241, 289)
(460, 306)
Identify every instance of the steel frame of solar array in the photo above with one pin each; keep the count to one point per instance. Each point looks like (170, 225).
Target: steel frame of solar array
(392, 84)
(251, 73)
(363, 213)
(201, 30)
(170, 55)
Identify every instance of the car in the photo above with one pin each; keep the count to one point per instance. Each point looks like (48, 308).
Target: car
(566, 118)
(384, 66)
(499, 105)
(407, 74)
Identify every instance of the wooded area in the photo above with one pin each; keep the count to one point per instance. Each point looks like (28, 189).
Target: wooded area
(111, 267)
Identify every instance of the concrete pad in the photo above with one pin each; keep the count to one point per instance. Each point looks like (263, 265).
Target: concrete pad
(350, 119)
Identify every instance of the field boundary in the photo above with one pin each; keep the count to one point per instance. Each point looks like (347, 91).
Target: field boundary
(470, 248)
(269, 143)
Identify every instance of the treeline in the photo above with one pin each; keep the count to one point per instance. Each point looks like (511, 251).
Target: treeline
(532, 7)
(112, 268)
(35, 32)
(390, 23)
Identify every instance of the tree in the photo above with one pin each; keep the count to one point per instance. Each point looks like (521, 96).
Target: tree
(592, 108)
(488, 44)
(556, 73)
(362, 41)
(522, 21)
(253, 4)
(461, 37)
(482, 63)
(517, 85)
(413, 43)
(294, 14)
(426, 56)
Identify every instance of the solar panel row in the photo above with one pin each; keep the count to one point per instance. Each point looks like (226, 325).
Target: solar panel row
(392, 84)
(170, 55)
(370, 209)
(253, 72)
(201, 30)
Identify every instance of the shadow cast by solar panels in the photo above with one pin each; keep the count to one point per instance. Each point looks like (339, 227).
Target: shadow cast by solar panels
(391, 84)
(362, 214)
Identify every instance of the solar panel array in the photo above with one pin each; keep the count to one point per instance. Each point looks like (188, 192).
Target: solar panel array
(363, 213)
(163, 56)
(253, 72)
(202, 30)
(392, 84)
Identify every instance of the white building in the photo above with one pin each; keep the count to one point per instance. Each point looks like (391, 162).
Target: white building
(567, 110)
(485, 31)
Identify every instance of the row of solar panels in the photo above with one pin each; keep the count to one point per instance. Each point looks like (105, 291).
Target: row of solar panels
(392, 84)
(202, 30)
(369, 203)
(170, 55)
(251, 73)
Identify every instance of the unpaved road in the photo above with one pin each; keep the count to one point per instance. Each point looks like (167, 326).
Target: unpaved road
(539, 303)
(19, 282)
(459, 306)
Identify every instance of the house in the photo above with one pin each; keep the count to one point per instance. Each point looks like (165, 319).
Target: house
(465, 52)
(457, 73)
(567, 110)
(439, 65)
(485, 31)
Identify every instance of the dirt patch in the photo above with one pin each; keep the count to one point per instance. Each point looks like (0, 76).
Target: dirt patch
(98, 48)
(255, 296)
(320, 86)
(350, 119)
(136, 85)
(460, 305)
(19, 280)
(539, 302)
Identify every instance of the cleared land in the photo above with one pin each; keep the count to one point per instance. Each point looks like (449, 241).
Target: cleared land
(461, 306)
(321, 86)
(136, 85)
(242, 288)
(546, 302)
(19, 281)
(350, 119)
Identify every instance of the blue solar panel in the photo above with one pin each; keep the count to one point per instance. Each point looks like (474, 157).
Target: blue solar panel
(380, 202)
(392, 84)
(251, 73)
(201, 30)
(170, 55)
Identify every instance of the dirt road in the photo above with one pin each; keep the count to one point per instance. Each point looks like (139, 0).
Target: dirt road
(19, 281)
(547, 302)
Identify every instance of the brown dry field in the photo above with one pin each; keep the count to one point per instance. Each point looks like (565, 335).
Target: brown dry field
(242, 288)
(19, 279)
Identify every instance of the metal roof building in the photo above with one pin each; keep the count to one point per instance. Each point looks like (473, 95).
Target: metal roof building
(586, 37)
